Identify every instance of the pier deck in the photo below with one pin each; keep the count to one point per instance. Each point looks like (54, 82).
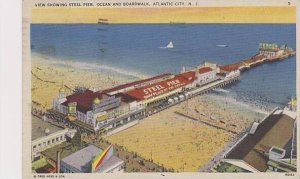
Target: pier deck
(253, 61)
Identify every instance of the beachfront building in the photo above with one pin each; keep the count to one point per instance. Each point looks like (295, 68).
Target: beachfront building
(93, 108)
(270, 145)
(82, 161)
(46, 135)
(96, 109)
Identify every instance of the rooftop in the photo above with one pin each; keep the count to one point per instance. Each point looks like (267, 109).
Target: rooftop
(231, 67)
(125, 98)
(39, 127)
(81, 159)
(276, 130)
(135, 83)
(158, 88)
(254, 59)
(188, 75)
(84, 100)
(66, 148)
(204, 70)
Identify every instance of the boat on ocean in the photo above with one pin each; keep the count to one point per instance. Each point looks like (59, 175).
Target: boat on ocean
(103, 21)
(170, 45)
(222, 45)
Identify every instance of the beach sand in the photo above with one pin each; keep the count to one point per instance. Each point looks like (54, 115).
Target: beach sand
(220, 113)
(178, 142)
(169, 139)
(48, 77)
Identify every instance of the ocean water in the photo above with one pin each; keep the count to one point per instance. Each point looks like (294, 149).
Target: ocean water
(134, 50)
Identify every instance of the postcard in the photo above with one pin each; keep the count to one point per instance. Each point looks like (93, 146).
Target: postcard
(160, 89)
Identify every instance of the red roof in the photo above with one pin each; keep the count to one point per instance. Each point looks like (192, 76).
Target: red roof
(135, 83)
(205, 70)
(190, 75)
(231, 67)
(235, 66)
(84, 100)
(159, 88)
(254, 59)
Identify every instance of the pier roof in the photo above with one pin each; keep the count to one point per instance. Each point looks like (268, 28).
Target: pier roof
(231, 67)
(135, 83)
(125, 97)
(189, 75)
(205, 70)
(276, 130)
(254, 59)
(159, 88)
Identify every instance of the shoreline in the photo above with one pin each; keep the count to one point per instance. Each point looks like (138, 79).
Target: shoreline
(190, 142)
(187, 141)
(48, 77)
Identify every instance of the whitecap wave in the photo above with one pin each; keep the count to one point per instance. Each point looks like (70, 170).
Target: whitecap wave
(221, 90)
(232, 100)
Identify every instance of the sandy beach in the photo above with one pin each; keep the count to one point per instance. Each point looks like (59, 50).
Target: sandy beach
(48, 77)
(219, 113)
(178, 142)
(169, 139)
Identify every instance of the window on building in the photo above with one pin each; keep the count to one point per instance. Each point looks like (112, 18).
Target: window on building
(53, 140)
(48, 142)
(61, 137)
(56, 139)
